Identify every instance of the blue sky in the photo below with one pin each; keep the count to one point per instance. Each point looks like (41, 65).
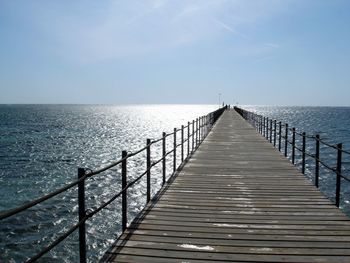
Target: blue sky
(268, 52)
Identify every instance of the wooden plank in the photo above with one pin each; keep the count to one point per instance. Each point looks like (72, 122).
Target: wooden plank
(158, 236)
(236, 200)
(228, 257)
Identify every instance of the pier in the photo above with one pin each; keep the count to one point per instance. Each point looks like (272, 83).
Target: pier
(237, 199)
(228, 194)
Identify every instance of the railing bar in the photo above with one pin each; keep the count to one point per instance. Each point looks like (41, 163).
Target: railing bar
(328, 144)
(310, 155)
(327, 166)
(346, 151)
(299, 149)
(345, 178)
(57, 241)
(118, 194)
(156, 162)
(170, 152)
(156, 141)
(17, 210)
(139, 151)
(169, 134)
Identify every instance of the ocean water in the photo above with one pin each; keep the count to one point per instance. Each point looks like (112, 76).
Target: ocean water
(41, 147)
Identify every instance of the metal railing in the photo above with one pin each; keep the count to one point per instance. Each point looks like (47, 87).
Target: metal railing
(268, 128)
(197, 130)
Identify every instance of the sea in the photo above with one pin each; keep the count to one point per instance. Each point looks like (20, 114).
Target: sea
(42, 146)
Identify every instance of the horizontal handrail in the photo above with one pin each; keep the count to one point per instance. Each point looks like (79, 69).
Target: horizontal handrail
(34, 202)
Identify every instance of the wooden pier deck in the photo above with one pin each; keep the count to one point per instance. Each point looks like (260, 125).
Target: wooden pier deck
(237, 200)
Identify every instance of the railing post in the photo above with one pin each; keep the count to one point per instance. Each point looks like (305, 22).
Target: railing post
(188, 138)
(274, 134)
(255, 122)
(267, 128)
(200, 129)
(124, 194)
(270, 131)
(263, 128)
(303, 153)
(164, 157)
(339, 164)
(148, 170)
(182, 143)
(203, 128)
(279, 135)
(293, 145)
(82, 214)
(317, 160)
(174, 161)
(196, 132)
(192, 135)
(286, 141)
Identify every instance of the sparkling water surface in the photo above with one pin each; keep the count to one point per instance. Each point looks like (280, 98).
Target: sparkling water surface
(41, 147)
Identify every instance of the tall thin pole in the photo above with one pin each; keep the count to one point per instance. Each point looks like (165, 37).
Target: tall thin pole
(286, 141)
(339, 164)
(279, 135)
(148, 170)
(164, 157)
(182, 143)
(188, 138)
(317, 160)
(303, 153)
(174, 161)
(293, 145)
(124, 194)
(82, 214)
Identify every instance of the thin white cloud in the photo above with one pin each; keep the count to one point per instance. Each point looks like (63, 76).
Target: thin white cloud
(272, 45)
(118, 29)
(225, 26)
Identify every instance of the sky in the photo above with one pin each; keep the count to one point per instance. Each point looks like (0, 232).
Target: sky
(256, 52)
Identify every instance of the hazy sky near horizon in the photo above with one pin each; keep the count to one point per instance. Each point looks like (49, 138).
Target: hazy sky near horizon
(269, 52)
